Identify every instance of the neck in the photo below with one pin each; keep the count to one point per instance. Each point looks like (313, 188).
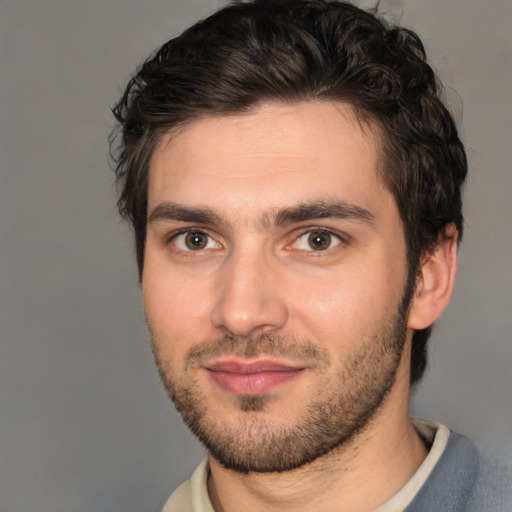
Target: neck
(358, 476)
(346, 479)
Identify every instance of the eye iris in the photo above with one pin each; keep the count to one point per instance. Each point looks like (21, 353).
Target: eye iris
(196, 240)
(319, 240)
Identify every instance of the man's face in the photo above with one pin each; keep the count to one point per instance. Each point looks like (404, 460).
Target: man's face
(274, 280)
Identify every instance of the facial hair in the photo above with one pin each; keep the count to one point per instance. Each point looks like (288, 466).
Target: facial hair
(343, 404)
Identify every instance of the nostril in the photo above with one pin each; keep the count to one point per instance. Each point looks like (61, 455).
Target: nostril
(248, 299)
(249, 317)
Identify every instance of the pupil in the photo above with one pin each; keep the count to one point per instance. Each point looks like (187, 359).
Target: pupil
(320, 240)
(196, 241)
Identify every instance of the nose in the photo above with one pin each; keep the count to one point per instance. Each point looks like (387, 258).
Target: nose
(248, 301)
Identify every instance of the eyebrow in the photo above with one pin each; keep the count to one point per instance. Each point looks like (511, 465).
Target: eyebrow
(172, 211)
(278, 217)
(323, 210)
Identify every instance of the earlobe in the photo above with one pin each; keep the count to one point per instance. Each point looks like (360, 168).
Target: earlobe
(435, 281)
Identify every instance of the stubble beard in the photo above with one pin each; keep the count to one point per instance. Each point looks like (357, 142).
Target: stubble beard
(343, 405)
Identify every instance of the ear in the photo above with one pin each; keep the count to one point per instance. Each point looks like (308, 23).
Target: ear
(435, 281)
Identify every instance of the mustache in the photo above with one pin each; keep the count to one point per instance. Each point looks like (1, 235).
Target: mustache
(252, 346)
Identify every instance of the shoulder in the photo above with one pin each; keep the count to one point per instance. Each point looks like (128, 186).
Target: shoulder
(464, 480)
(493, 486)
(180, 500)
(192, 495)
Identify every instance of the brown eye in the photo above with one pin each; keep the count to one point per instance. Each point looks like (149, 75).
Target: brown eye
(319, 240)
(196, 240)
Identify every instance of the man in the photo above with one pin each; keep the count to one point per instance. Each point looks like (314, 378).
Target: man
(294, 185)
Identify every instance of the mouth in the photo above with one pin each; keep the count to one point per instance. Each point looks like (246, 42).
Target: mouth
(251, 377)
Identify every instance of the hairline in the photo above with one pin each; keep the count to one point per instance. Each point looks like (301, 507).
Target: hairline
(368, 122)
(365, 119)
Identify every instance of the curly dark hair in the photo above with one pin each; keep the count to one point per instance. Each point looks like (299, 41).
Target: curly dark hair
(299, 51)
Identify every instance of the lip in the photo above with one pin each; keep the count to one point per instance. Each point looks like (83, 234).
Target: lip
(251, 377)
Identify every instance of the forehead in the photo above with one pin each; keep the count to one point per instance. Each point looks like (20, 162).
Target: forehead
(274, 155)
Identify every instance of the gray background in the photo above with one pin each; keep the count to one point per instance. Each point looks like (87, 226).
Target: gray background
(84, 423)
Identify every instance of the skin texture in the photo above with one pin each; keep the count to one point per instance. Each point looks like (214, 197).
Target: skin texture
(272, 241)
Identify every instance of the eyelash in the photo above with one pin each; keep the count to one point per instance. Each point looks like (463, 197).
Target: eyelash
(341, 239)
(334, 238)
(172, 238)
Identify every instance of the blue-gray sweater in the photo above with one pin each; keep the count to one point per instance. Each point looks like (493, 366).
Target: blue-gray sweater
(462, 482)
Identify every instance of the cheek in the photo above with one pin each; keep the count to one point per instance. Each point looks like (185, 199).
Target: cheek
(331, 301)
(343, 306)
(174, 306)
